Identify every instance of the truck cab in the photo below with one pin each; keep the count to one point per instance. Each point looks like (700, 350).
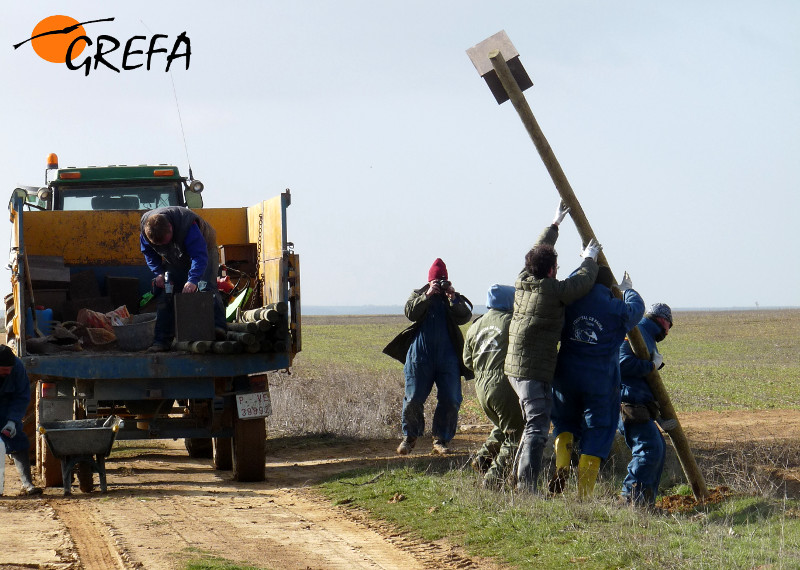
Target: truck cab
(115, 187)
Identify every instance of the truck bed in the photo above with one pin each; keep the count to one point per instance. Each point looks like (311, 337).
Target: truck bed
(120, 365)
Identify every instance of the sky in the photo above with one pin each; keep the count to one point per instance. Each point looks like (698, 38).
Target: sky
(677, 125)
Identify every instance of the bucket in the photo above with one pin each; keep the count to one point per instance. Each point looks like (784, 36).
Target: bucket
(137, 334)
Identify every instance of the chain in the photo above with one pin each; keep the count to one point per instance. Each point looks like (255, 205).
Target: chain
(259, 278)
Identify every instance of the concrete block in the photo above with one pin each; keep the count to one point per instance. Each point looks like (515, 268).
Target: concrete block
(194, 316)
(83, 285)
(124, 291)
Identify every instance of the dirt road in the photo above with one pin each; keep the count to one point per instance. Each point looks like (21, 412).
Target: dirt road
(163, 508)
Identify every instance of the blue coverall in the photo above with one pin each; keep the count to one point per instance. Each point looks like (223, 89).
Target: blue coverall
(432, 359)
(15, 393)
(586, 385)
(644, 439)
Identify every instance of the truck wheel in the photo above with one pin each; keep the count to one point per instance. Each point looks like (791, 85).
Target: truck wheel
(249, 449)
(47, 465)
(198, 447)
(223, 453)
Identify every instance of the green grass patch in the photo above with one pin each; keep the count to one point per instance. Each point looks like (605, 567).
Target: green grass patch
(136, 447)
(733, 360)
(527, 531)
(201, 560)
(715, 360)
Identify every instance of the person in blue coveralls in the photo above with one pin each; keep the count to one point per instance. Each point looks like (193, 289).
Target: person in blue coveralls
(15, 394)
(178, 242)
(485, 351)
(586, 385)
(640, 410)
(431, 351)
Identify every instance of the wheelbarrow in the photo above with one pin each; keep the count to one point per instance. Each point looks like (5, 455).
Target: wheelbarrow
(85, 442)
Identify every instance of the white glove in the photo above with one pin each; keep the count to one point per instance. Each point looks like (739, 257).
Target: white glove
(592, 250)
(626, 282)
(668, 425)
(658, 360)
(561, 213)
(10, 429)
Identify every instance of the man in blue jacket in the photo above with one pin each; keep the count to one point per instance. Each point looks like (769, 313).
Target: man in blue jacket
(15, 394)
(177, 241)
(640, 410)
(586, 385)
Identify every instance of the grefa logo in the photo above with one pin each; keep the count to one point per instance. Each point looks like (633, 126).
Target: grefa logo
(62, 39)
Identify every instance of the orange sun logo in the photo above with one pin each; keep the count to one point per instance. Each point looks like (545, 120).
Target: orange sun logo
(52, 36)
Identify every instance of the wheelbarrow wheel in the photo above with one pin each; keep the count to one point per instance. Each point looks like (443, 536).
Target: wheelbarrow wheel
(85, 477)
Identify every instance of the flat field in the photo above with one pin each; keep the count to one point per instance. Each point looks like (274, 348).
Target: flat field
(714, 361)
(734, 378)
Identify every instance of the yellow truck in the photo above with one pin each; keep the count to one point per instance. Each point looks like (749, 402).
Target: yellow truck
(80, 232)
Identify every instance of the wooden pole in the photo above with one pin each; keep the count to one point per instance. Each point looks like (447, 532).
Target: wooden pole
(677, 435)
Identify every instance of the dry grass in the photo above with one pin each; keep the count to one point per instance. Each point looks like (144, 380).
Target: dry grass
(335, 399)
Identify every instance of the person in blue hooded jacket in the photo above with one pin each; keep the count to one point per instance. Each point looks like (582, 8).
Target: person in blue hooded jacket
(586, 385)
(15, 394)
(485, 348)
(640, 410)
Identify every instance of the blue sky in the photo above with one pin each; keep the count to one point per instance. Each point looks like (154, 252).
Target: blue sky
(678, 127)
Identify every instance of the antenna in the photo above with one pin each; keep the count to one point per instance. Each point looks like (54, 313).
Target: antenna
(178, 107)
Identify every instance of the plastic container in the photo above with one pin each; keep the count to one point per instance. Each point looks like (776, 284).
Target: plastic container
(137, 334)
(44, 320)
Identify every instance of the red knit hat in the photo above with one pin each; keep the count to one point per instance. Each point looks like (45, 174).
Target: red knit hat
(437, 271)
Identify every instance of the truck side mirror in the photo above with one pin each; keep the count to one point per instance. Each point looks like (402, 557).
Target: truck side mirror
(193, 194)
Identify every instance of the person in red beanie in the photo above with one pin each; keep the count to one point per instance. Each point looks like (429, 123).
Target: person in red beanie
(431, 351)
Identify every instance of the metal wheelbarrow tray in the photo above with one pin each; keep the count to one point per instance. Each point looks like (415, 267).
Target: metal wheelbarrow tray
(81, 441)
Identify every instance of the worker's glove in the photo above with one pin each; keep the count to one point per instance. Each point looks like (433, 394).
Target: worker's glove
(658, 360)
(626, 282)
(10, 429)
(668, 425)
(561, 213)
(592, 250)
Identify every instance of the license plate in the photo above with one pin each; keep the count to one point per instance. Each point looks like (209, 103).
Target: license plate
(255, 405)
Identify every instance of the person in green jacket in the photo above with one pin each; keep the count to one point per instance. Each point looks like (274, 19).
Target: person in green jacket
(533, 337)
(430, 350)
(485, 350)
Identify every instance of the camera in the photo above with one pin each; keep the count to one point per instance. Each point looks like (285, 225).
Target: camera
(443, 284)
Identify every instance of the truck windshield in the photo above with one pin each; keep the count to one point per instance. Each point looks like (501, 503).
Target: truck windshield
(118, 197)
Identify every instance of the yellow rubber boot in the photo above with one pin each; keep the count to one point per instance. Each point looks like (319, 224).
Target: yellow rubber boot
(588, 467)
(563, 450)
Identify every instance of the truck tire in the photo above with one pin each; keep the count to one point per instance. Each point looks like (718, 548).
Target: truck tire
(249, 449)
(198, 447)
(223, 453)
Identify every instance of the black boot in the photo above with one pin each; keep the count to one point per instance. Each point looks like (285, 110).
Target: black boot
(529, 465)
(23, 464)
